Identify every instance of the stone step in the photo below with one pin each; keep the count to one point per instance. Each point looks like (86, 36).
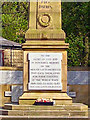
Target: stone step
(62, 113)
(3, 112)
(75, 109)
(74, 106)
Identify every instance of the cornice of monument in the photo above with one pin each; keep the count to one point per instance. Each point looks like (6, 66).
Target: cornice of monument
(45, 34)
(45, 44)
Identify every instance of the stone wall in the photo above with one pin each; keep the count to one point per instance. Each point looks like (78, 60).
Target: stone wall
(13, 58)
(78, 84)
(81, 91)
(11, 84)
(78, 77)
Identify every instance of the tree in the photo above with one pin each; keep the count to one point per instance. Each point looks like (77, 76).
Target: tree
(14, 20)
(76, 25)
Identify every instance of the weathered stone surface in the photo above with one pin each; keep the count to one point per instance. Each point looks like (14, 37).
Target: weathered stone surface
(78, 77)
(4, 99)
(74, 110)
(78, 113)
(82, 95)
(17, 91)
(11, 77)
(73, 106)
(46, 113)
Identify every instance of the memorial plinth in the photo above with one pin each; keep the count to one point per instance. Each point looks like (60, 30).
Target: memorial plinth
(45, 55)
(45, 72)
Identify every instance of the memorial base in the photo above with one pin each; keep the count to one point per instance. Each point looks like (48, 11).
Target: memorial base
(30, 98)
(74, 110)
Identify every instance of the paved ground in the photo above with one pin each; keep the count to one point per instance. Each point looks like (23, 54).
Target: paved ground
(41, 118)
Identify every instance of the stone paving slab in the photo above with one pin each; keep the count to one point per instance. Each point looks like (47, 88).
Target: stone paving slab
(43, 118)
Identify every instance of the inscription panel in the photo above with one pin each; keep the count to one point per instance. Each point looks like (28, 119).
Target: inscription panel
(44, 71)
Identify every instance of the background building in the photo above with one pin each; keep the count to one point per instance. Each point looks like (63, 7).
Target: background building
(10, 53)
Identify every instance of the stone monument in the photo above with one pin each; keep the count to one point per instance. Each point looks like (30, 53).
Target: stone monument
(45, 66)
(45, 55)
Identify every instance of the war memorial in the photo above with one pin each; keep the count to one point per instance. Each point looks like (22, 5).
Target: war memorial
(45, 67)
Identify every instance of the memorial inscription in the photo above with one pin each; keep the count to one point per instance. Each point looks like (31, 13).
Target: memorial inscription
(45, 71)
(44, 4)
